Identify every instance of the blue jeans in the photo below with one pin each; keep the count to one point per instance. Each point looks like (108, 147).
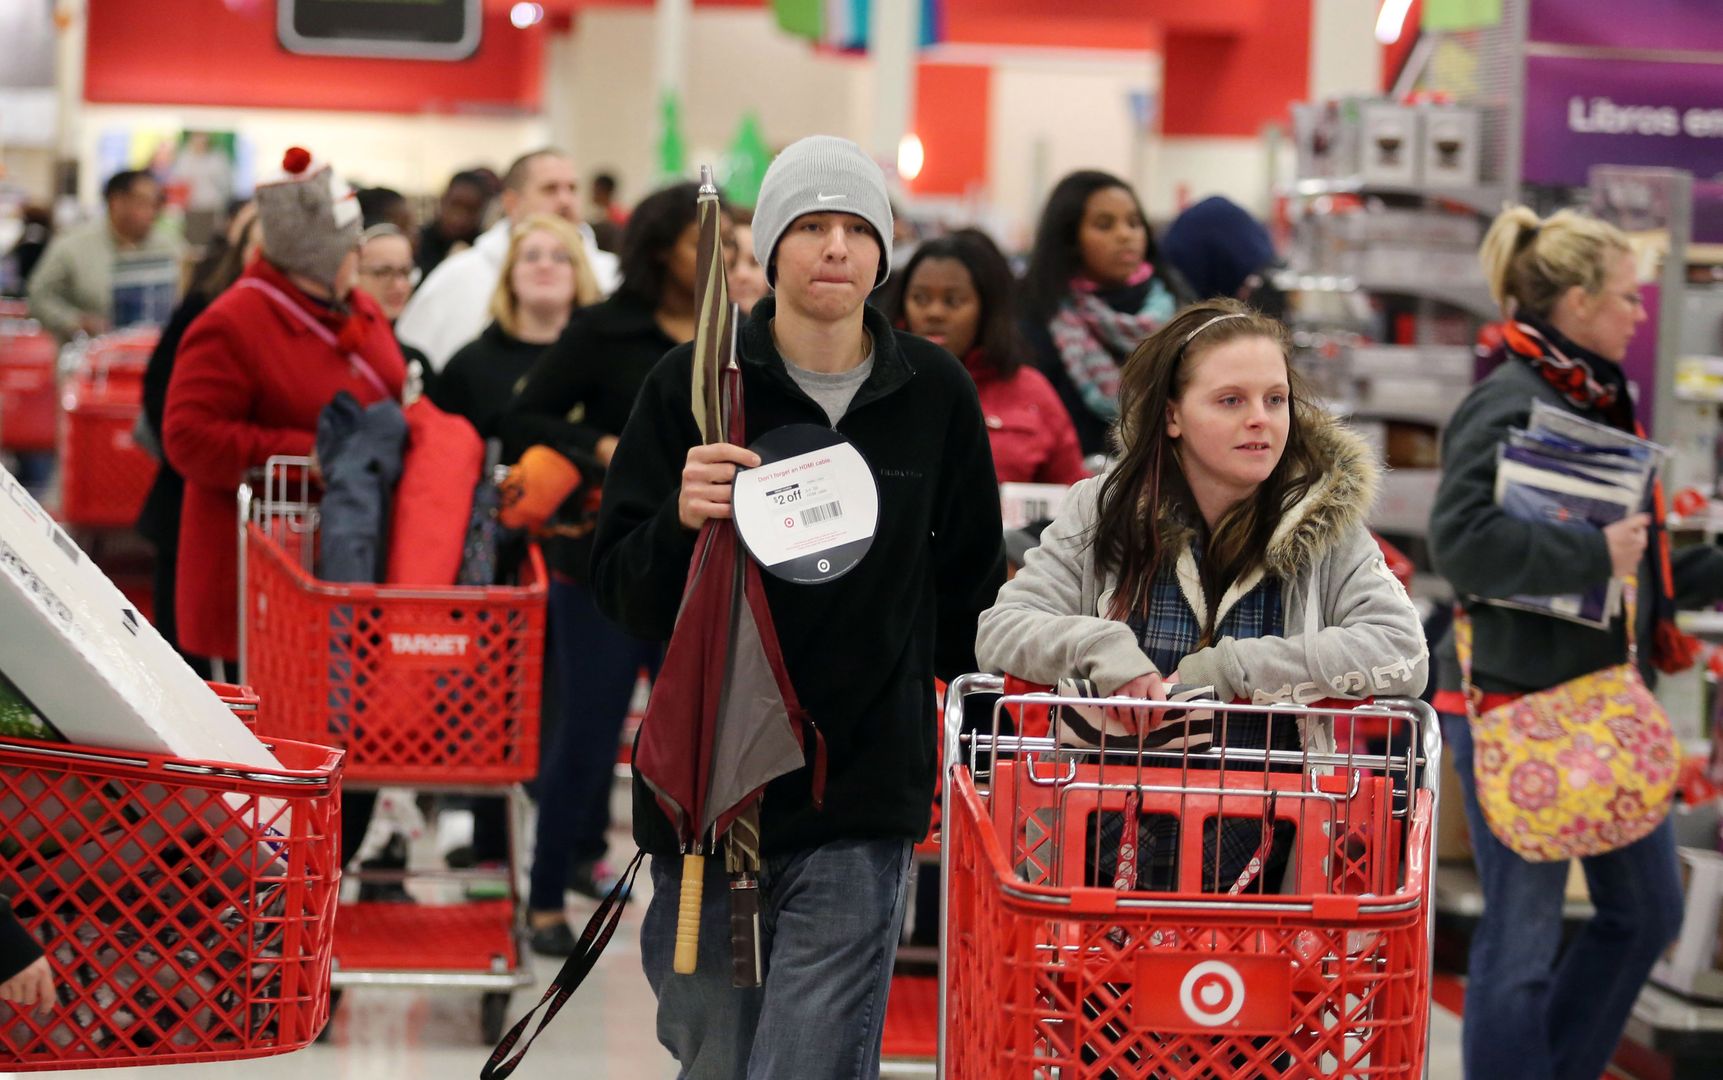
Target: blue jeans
(598, 665)
(1534, 1011)
(830, 920)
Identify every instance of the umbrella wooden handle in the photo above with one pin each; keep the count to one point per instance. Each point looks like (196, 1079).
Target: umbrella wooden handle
(688, 915)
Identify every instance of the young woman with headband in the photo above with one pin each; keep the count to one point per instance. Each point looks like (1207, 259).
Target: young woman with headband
(1225, 548)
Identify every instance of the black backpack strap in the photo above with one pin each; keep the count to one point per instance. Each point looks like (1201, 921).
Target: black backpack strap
(574, 972)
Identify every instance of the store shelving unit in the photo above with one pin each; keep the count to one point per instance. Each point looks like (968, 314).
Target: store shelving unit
(1440, 286)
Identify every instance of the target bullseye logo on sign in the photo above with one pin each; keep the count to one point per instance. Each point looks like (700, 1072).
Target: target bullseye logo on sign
(1212, 993)
(1238, 994)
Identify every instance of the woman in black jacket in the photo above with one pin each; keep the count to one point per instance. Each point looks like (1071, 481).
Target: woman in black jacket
(1568, 288)
(1095, 288)
(546, 278)
(595, 371)
(158, 521)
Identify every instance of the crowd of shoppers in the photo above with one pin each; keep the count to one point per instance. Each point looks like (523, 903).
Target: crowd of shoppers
(1222, 542)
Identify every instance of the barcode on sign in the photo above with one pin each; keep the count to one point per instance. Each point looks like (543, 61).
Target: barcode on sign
(1036, 509)
(813, 515)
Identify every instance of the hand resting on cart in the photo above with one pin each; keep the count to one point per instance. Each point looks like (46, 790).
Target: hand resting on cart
(1151, 687)
(25, 979)
(32, 986)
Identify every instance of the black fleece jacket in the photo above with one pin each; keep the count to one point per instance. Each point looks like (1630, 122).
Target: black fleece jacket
(862, 651)
(581, 389)
(1484, 552)
(18, 950)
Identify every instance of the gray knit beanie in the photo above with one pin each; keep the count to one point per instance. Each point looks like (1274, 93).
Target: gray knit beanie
(310, 219)
(817, 175)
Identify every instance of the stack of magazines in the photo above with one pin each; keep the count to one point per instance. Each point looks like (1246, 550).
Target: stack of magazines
(1571, 471)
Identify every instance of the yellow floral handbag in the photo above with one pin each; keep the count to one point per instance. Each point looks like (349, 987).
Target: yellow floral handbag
(1579, 769)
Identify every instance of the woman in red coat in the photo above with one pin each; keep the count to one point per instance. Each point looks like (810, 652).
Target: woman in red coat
(957, 293)
(254, 372)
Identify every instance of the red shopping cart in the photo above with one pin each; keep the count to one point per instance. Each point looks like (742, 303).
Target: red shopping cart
(1180, 913)
(29, 406)
(187, 908)
(431, 688)
(104, 474)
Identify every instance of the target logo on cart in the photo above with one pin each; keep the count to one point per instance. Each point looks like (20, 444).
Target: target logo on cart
(429, 647)
(1232, 993)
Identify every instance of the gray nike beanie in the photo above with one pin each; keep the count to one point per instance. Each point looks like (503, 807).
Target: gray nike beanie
(821, 174)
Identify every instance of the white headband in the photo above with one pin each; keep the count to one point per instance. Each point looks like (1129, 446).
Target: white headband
(1211, 322)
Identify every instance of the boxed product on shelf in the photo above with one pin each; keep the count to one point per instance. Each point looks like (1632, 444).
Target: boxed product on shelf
(1432, 228)
(1451, 141)
(1453, 269)
(94, 668)
(1373, 432)
(1413, 445)
(1326, 136)
(1389, 148)
(1404, 505)
(1432, 401)
(1451, 363)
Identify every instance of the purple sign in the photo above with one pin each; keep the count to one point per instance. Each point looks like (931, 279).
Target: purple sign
(1684, 25)
(1707, 212)
(1582, 112)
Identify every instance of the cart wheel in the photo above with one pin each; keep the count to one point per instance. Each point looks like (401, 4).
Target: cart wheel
(334, 1007)
(493, 1016)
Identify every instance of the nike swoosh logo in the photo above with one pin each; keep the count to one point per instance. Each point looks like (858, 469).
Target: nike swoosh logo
(827, 198)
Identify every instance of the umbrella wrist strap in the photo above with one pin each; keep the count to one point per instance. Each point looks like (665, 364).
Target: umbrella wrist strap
(574, 972)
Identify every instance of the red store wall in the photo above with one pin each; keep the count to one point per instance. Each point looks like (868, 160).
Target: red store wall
(224, 52)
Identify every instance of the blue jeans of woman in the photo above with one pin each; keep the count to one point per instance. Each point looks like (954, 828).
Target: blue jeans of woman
(830, 919)
(598, 665)
(1533, 1010)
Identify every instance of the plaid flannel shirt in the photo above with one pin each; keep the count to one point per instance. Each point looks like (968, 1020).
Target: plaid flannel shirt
(1168, 632)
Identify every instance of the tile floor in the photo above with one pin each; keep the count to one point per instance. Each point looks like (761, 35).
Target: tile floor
(604, 1033)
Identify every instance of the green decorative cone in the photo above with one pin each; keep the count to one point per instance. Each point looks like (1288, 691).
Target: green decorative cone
(672, 147)
(744, 165)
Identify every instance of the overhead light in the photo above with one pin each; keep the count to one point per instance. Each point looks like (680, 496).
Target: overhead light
(1391, 20)
(524, 15)
(911, 156)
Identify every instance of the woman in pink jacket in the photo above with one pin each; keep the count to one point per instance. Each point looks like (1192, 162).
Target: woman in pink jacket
(957, 294)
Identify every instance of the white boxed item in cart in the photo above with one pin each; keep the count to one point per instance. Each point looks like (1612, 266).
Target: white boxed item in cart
(95, 669)
(1389, 150)
(1451, 135)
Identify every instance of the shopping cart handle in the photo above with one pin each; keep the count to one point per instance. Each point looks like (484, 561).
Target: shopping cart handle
(1334, 909)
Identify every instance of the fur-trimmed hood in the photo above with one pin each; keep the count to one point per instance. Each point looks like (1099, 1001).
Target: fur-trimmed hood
(1336, 503)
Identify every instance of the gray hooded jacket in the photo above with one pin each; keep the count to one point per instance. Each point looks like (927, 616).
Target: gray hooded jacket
(1351, 630)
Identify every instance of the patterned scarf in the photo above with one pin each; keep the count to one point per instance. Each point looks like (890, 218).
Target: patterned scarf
(1093, 339)
(1590, 382)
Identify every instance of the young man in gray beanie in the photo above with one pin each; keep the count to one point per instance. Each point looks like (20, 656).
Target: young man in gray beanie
(861, 650)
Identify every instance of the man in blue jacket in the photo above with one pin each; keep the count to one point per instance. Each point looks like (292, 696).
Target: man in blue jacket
(862, 650)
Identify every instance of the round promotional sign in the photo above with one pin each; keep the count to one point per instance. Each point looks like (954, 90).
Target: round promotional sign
(809, 512)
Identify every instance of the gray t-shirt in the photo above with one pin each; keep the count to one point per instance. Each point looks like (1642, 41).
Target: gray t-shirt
(832, 392)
